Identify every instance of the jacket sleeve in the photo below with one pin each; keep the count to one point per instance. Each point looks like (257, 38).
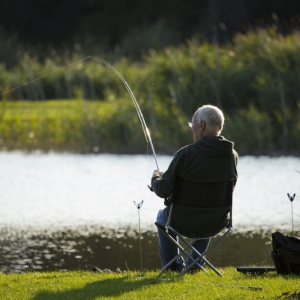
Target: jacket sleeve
(164, 185)
(236, 158)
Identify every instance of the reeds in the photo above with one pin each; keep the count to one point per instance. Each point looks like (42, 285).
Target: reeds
(255, 80)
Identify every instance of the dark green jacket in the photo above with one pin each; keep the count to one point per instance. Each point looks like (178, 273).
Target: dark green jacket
(210, 159)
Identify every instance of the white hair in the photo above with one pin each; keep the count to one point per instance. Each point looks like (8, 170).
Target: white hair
(213, 117)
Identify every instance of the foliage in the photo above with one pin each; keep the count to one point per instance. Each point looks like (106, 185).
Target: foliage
(87, 126)
(115, 26)
(255, 80)
(133, 285)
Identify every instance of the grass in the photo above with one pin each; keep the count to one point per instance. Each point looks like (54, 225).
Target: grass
(86, 126)
(131, 285)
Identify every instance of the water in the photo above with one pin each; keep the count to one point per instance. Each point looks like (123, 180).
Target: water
(62, 211)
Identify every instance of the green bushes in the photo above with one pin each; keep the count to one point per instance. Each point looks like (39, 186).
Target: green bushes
(87, 126)
(255, 80)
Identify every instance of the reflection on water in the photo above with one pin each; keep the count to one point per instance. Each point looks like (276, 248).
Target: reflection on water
(72, 250)
(62, 211)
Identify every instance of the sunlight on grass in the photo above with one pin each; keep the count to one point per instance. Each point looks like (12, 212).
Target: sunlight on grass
(131, 285)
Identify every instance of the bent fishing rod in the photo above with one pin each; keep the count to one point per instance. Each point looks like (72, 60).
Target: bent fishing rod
(139, 112)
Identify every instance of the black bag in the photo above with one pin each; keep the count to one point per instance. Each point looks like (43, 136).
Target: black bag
(286, 253)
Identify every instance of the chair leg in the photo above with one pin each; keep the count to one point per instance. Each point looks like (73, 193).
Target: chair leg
(218, 241)
(200, 257)
(189, 246)
(181, 250)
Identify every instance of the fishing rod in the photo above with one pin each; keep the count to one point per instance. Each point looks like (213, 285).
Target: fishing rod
(139, 112)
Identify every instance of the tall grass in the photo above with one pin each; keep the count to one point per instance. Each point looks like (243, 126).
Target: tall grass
(255, 80)
(87, 126)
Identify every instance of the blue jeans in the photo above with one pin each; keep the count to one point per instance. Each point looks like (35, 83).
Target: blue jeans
(167, 250)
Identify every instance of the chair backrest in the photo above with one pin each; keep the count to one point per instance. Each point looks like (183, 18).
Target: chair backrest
(201, 209)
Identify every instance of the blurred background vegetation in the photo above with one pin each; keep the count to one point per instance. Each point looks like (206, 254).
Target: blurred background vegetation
(242, 56)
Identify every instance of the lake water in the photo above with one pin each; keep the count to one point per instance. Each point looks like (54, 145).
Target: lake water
(65, 210)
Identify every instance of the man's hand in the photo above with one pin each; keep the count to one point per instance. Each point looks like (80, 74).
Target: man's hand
(157, 172)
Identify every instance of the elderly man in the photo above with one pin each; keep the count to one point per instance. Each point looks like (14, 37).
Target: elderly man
(211, 158)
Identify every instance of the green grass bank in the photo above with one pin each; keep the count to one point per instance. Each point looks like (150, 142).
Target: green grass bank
(89, 126)
(83, 126)
(131, 285)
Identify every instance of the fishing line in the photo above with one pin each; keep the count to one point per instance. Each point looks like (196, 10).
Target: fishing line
(139, 112)
(36, 79)
(296, 215)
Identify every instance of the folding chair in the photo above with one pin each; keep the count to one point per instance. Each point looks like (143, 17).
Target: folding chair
(198, 211)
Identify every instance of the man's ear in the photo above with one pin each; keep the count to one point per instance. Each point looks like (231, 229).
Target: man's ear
(202, 124)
